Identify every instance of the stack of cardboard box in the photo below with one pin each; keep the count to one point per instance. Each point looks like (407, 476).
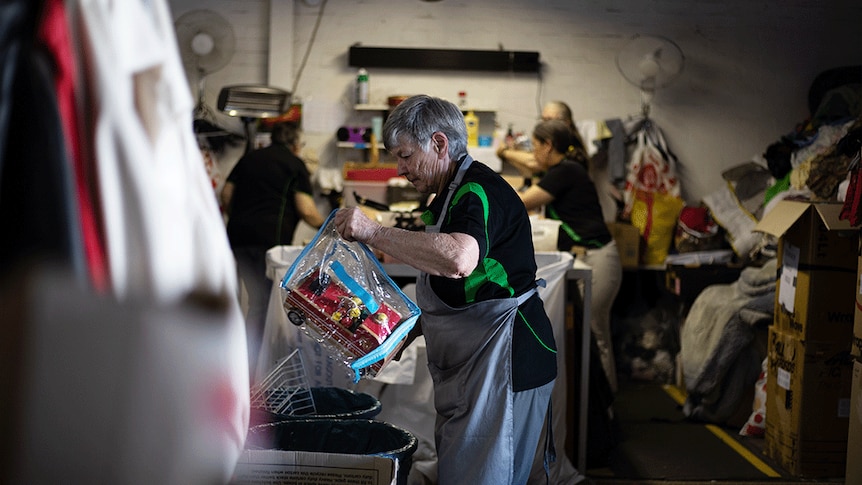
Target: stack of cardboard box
(854, 432)
(809, 362)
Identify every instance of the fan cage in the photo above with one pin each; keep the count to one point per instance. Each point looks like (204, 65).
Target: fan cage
(665, 54)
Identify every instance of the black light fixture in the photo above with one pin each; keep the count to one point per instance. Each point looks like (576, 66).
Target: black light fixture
(251, 102)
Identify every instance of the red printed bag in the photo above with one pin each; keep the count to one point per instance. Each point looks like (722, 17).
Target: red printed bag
(652, 168)
(652, 194)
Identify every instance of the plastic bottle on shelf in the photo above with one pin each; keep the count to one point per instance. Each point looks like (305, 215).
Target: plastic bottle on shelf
(362, 86)
(462, 100)
(472, 122)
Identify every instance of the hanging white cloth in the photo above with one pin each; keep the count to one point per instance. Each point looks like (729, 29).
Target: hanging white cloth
(164, 233)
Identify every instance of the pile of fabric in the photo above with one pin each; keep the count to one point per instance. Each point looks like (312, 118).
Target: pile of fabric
(719, 359)
(817, 160)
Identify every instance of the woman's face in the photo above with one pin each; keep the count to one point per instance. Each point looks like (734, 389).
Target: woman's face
(541, 152)
(425, 169)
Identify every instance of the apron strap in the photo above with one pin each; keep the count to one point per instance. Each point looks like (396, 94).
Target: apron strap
(523, 297)
(453, 185)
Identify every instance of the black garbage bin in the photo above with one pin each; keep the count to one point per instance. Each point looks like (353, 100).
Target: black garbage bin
(329, 403)
(345, 436)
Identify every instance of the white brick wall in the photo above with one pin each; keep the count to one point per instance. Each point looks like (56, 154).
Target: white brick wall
(749, 63)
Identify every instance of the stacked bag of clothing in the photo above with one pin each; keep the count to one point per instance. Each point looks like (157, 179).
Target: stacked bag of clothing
(817, 160)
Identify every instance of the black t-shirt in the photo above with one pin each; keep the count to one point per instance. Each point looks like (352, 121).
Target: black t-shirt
(576, 204)
(263, 211)
(486, 207)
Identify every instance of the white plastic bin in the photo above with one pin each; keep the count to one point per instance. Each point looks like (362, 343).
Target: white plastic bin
(544, 233)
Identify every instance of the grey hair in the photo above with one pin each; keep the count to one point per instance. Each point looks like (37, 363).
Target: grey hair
(415, 119)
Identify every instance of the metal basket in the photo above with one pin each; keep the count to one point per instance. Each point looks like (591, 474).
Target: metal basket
(285, 389)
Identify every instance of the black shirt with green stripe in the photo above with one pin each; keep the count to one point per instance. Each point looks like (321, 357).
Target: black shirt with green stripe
(486, 207)
(576, 204)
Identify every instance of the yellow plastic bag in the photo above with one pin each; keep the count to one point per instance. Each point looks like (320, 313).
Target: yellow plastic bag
(655, 215)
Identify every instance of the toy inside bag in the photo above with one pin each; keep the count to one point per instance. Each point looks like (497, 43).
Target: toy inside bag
(339, 294)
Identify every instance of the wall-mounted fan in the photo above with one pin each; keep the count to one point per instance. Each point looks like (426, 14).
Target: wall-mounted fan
(650, 62)
(207, 43)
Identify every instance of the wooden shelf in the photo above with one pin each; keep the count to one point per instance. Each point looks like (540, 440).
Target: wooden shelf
(350, 144)
(371, 107)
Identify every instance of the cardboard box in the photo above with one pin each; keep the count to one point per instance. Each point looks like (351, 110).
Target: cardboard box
(807, 407)
(853, 473)
(305, 467)
(628, 240)
(817, 256)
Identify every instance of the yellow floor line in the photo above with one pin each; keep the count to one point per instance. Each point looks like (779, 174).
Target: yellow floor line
(743, 451)
(675, 393)
(678, 395)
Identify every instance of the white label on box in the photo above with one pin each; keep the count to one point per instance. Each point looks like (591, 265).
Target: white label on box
(789, 271)
(259, 467)
(783, 379)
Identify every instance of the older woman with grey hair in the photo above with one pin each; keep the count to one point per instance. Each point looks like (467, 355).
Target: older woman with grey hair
(490, 345)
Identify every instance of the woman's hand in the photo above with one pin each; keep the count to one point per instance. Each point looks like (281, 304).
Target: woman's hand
(353, 225)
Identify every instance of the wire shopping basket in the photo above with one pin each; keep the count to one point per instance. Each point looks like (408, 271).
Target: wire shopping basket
(285, 389)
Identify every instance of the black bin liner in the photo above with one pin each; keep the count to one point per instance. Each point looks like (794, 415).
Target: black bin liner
(345, 436)
(329, 403)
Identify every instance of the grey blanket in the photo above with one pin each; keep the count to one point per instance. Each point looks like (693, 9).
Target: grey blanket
(719, 362)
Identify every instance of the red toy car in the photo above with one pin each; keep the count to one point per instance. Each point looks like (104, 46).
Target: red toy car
(331, 311)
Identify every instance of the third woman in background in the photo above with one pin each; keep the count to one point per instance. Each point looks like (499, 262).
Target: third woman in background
(523, 160)
(568, 195)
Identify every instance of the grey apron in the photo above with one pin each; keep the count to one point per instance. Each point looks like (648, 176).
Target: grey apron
(469, 358)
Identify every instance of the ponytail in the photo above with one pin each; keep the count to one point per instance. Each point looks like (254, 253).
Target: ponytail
(578, 154)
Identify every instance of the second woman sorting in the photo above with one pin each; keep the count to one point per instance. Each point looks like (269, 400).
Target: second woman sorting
(569, 195)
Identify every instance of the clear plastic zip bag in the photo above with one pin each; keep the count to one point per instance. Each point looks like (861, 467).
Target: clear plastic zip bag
(338, 293)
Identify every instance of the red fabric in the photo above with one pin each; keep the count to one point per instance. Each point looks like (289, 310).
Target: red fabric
(850, 209)
(54, 35)
(696, 218)
(381, 174)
